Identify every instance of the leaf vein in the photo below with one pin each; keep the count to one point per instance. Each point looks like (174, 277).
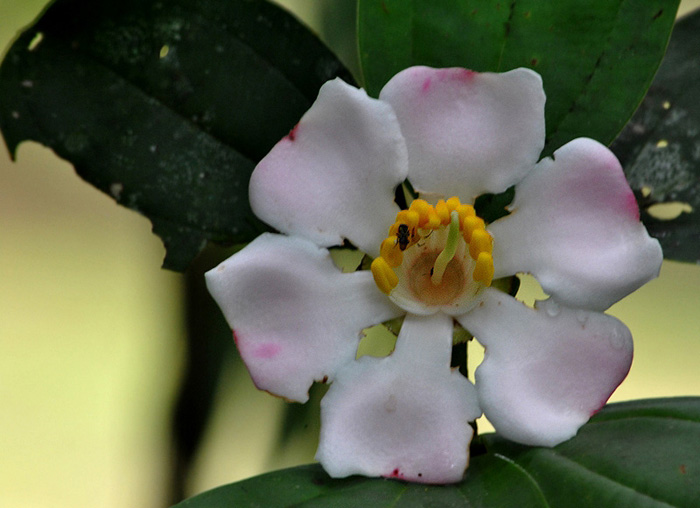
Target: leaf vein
(585, 88)
(527, 475)
(506, 35)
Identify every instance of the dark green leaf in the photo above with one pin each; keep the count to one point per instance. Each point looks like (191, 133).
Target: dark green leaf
(596, 58)
(166, 106)
(660, 149)
(636, 454)
(640, 453)
(309, 486)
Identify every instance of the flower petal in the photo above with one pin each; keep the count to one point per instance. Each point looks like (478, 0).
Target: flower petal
(468, 133)
(296, 317)
(575, 226)
(335, 174)
(404, 416)
(546, 370)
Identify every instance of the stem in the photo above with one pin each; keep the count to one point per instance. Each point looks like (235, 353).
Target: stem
(208, 346)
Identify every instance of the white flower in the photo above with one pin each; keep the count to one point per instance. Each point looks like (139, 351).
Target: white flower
(573, 224)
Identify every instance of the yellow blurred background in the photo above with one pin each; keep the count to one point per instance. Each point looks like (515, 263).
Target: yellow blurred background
(91, 343)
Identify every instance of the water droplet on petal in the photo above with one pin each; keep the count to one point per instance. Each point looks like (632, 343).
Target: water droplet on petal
(582, 316)
(617, 338)
(116, 190)
(551, 307)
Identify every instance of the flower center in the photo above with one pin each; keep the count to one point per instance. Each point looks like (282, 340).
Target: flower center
(435, 258)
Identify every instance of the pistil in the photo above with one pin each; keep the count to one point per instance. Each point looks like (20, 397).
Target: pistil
(448, 252)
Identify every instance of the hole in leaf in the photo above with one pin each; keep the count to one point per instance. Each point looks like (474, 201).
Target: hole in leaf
(529, 290)
(491, 207)
(378, 341)
(346, 259)
(36, 41)
(669, 211)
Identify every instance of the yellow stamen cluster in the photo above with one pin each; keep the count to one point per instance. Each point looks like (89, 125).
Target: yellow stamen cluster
(418, 222)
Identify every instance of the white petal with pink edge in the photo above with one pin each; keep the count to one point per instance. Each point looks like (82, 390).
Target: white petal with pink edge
(296, 317)
(335, 174)
(547, 370)
(575, 226)
(468, 133)
(405, 416)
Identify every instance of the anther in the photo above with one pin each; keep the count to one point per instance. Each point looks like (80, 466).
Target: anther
(434, 220)
(483, 269)
(465, 211)
(453, 203)
(391, 252)
(384, 276)
(422, 208)
(481, 242)
(408, 217)
(442, 212)
(470, 224)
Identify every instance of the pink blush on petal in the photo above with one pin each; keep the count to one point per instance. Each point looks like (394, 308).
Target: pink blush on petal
(447, 75)
(466, 74)
(456, 74)
(632, 206)
(292, 136)
(267, 351)
(264, 351)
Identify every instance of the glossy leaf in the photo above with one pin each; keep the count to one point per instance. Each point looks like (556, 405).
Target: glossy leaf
(597, 58)
(641, 453)
(660, 148)
(166, 106)
(309, 486)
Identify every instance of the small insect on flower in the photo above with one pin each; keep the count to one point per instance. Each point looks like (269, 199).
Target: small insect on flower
(402, 236)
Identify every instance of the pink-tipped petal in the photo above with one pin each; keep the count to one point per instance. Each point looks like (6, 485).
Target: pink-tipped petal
(547, 370)
(468, 133)
(295, 316)
(405, 416)
(334, 175)
(575, 226)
